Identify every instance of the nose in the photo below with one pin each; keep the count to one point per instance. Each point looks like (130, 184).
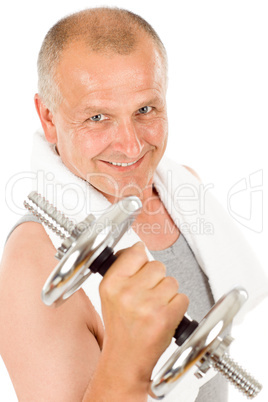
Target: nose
(127, 139)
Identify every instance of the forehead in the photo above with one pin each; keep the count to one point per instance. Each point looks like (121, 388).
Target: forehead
(83, 74)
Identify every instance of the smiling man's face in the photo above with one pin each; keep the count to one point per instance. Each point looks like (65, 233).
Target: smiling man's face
(111, 127)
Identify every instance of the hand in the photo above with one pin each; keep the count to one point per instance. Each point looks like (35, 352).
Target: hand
(141, 310)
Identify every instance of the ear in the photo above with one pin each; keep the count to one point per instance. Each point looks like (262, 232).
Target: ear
(46, 118)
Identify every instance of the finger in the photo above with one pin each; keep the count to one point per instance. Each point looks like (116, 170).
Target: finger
(175, 309)
(166, 290)
(149, 275)
(129, 261)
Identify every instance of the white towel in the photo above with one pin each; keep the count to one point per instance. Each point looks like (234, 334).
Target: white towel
(220, 249)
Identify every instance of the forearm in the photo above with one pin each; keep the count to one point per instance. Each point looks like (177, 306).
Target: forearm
(112, 382)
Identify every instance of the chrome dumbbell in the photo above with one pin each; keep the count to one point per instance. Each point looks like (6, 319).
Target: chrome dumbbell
(88, 248)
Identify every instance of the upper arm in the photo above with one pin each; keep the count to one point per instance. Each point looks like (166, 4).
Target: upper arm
(50, 353)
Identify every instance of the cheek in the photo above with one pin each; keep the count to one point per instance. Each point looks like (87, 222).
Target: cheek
(90, 144)
(155, 133)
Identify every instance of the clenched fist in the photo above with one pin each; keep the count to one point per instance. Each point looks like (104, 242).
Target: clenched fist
(141, 309)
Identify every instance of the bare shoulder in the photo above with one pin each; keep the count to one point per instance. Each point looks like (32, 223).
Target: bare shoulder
(192, 171)
(38, 341)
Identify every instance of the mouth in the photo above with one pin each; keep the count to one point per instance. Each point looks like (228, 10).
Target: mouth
(123, 163)
(124, 166)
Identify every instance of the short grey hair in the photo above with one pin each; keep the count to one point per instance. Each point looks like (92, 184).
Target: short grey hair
(102, 29)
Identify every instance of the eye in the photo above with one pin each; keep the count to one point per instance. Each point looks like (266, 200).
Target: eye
(145, 109)
(97, 117)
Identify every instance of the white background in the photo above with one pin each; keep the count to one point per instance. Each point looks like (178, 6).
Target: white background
(217, 98)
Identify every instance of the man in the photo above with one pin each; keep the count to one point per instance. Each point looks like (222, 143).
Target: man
(101, 102)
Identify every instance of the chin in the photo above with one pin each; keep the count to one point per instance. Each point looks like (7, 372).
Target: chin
(115, 191)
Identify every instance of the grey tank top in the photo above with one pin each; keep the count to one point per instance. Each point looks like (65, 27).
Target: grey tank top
(181, 263)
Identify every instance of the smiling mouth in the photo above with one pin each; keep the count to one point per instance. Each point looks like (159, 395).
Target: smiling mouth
(123, 164)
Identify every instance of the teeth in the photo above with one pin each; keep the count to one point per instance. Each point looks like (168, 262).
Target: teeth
(122, 164)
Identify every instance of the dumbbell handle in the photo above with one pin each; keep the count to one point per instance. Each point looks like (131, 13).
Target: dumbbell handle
(101, 265)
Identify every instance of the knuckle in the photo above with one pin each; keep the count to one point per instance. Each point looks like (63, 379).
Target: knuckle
(137, 249)
(149, 314)
(119, 294)
(103, 289)
(173, 282)
(182, 302)
(127, 298)
(170, 284)
(185, 299)
(134, 255)
(166, 322)
(107, 288)
(158, 267)
(162, 322)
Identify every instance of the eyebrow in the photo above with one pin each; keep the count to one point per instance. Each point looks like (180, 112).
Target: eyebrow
(152, 101)
(103, 109)
(94, 110)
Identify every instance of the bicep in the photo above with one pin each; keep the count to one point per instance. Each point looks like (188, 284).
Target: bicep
(50, 353)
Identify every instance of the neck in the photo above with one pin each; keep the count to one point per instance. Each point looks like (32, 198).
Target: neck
(153, 225)
(149, 198)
